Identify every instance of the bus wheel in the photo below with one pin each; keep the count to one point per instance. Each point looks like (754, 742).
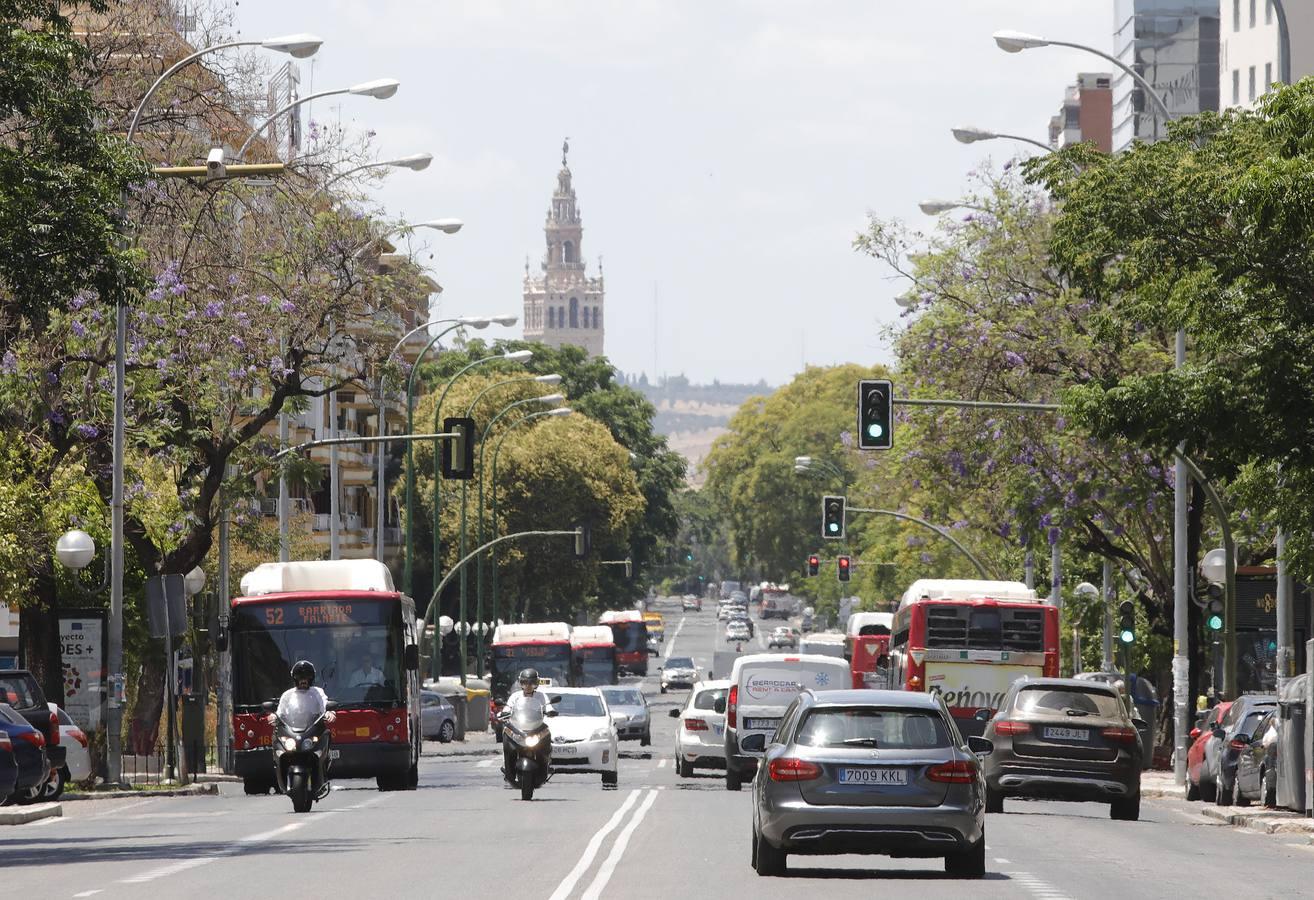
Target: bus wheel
(255, 788)
(413, 777)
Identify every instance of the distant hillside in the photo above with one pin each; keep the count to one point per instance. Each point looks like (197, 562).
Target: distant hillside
(692, 416)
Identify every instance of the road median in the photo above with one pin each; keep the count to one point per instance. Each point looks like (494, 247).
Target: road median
(1269, 821)
(21, 815)
(191, 790)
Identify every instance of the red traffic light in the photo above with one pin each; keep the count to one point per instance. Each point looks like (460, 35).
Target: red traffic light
(814, 564)
(844, 563)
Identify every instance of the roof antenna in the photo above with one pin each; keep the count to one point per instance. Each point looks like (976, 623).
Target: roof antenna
(565, 148)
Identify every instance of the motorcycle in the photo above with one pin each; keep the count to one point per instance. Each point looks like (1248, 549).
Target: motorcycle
(301, 758)
(531, 750)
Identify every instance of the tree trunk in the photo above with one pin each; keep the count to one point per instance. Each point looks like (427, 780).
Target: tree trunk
(144, 725)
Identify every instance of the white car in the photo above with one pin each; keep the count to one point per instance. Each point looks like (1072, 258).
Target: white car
(77, 761)
(679, 671)
(700, 738)
(583, 736)
(737, 631)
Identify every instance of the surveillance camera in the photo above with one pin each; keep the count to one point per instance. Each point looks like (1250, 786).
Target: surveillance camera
(214, 164)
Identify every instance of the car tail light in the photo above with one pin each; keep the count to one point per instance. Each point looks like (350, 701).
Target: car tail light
(1236, 745)
(80, 736)
(33, 737)
(732, 707)
(1009, 727)
(695, 725)
(1121, 734)
(960, 771)
(54, 728)
(789, 768)
(5, 743)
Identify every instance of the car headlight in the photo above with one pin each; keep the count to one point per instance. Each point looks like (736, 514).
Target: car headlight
(601, 734)
(289, 743)
(533, 740)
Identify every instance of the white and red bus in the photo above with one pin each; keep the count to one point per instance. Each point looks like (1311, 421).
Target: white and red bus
(346, 618)
(630, 633)
(594, 656)
(968, 641)
(541, 646)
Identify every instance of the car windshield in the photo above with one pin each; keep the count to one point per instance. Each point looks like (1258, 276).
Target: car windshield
(880, 728)
(623, 698)
(679, 662)
(579, 705)
(708, 699)
(1069, 701)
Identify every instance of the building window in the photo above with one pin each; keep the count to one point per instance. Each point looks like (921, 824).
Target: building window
(597, 318)
(561, 317)
(1268, 76)
(1252, 13)
(568, 252)
(552, 317)
(574, 312)
(1252, 84)
(1236, 87)
(586, 317)
(1236, 15)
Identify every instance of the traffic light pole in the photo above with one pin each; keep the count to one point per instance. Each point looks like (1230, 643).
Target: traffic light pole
(1229, 578)
(925, 524)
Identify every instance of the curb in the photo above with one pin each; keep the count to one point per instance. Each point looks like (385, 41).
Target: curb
(21, 815)
(455, 754)
(194, 790)
(1268, 824)
(216, 778)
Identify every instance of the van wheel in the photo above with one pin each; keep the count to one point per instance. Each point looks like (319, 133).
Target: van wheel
(733, 780)
(1269, 781)
(54, 785)
(646, 739)
(1238, 798)
(1126, 809)
(770, 861)
(970, 863)
(994, 800)
(609, 779)
(1192, 790)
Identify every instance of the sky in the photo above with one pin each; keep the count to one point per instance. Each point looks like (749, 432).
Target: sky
(724, 152)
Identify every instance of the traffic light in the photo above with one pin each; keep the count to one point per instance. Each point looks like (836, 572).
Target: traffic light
(875, 415)
(458, 452)
(814, 564)
(1127, 621)
(583, 540)
(832, 517)
(1214, 608)
(844, 565)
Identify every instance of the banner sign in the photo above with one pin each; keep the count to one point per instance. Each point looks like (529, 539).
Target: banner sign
(82, 648)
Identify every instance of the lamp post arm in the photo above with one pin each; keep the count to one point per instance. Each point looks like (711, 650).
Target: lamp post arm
(936, 528)
(373, 439)
(180, 64)
(287, 107)
(1144, 85)
(1026, 140)
(1284, 42)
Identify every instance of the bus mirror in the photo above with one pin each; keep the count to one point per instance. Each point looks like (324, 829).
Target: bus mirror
(269, 706)
(411, 657)
(331, 706)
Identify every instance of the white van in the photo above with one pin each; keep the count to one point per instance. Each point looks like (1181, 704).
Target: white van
(761, 688)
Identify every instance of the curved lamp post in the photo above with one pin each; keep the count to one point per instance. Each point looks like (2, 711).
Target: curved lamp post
(558, 412)
(416, 162)
(967, 135)
(379, 89)
(298, 46)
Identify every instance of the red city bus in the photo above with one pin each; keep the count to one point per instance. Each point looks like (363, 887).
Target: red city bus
(968, 641)
(594, 656)
(345, 617)
(865, 662)
(630, 634)
(542, 646)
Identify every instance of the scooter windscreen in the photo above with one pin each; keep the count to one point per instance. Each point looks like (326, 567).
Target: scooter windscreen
(527, 718)
(301, 711)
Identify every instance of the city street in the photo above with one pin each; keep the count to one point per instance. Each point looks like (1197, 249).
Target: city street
(656, 836)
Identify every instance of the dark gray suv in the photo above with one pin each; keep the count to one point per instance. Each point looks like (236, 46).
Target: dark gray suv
(874, 772)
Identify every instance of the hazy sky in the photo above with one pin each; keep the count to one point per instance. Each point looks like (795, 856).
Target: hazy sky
(725, 151)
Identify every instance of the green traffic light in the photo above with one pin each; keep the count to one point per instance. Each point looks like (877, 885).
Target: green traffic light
(1214, 622)
(1127, 636)
(875, 430)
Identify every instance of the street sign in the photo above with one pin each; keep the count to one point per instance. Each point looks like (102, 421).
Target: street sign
(159, 590)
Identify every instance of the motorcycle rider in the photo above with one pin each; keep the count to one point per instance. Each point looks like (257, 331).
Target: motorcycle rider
(527, 698)
(303, 702)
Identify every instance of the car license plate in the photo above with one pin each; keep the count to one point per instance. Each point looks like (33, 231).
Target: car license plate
(1067, 734)
(564, 750)
(761, 724)
(334, 754)
(873, 776)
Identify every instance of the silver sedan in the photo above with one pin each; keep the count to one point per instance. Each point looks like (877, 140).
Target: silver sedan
(875, 772)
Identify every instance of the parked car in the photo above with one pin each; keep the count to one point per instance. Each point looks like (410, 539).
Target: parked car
(583, 733)
(1257, 763)
(8, 768)
(874, 772)
(437, 717)
(629, 711)
(679, 671)
(77, 758)
(19, 688)
(1064, 739)
(1241, 721)
(29, 749)
(782, 637)
(700, 736)
(1200, 756)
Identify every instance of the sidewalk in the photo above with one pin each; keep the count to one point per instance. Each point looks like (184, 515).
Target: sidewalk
(476, 743)
(1157, 783)
(1161, 785)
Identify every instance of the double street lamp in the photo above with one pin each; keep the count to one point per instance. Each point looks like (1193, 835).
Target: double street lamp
(379, 89)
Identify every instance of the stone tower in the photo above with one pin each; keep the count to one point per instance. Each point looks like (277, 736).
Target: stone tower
(565, 305)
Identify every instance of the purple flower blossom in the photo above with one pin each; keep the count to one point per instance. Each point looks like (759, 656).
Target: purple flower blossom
(81, 299)
(1005, 530)
(232, 279)
(1053, 536)
(287, 306)
(78, 329)
(214, 309)
(1014, 360)
(237, 342)
(9, 365)
(925, 558)
(846, 439)
(87, 432)
(263, 299)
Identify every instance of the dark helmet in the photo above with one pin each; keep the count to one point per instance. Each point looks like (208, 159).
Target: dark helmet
(304, 669)
(529, 676)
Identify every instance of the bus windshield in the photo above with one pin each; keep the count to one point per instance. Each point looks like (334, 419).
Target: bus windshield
(629, 636)
(549, 660)
(968, 627)
(595, 666)
(356, 662)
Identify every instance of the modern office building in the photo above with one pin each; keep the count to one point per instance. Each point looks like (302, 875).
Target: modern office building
(1086, 115)
(1174, 45)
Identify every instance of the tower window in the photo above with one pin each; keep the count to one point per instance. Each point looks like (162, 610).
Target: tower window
(561, 317)
(552, 317)
(574, 312)
(586, 317)
(597, 318)
(568, 252)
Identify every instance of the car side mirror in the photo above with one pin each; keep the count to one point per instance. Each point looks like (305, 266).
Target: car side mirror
(269, 706)
(718, 707)
(554, 700)
(411, 658)
(1194, 733)
(551, 712)
(674, 714)
(980, 746)
(1218, 732)
(1242, 739)
(983, 715)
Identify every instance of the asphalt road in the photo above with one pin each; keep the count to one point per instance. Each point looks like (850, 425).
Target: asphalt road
(656, 836)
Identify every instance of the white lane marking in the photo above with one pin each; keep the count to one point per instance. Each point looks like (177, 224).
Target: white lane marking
(91, 893)
(485, 763)
(1002, 862)
(568, 883)
(618, 849)
(670, 648)
(662, 764)
(1036, 887)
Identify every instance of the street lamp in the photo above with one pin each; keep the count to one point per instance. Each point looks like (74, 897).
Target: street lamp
(194, 581)
(553, 413)
(968, 135)
(298, 46)
(75, 550)
(379, 89)
(416, 162)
